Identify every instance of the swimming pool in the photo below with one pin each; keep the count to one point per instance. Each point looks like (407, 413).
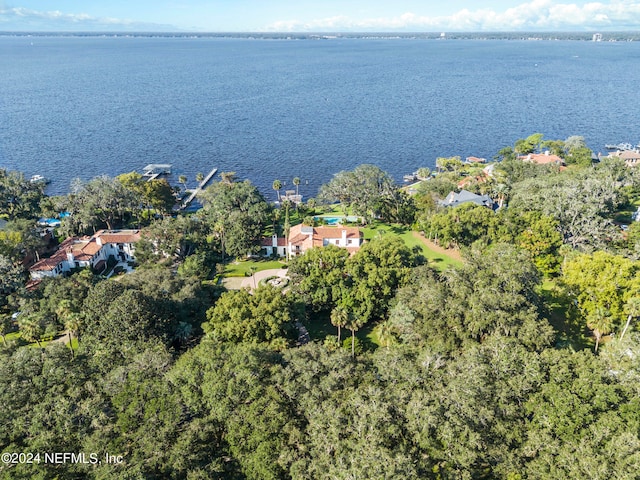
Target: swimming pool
(337, 220)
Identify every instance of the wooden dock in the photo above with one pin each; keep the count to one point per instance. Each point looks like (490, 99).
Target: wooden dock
(199, 188)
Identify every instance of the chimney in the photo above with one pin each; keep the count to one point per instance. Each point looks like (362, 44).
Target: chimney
(344, 238)
(70, 257)
(99, 240)
(274, 241)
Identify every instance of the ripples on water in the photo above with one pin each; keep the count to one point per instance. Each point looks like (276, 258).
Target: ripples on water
(81, 107)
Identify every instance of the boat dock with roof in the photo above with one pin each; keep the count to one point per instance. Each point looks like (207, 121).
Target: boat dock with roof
(154, 170)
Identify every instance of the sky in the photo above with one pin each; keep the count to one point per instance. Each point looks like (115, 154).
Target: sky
(319, 15)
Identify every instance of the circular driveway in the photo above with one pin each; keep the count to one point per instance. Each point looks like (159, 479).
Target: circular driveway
(249, 282)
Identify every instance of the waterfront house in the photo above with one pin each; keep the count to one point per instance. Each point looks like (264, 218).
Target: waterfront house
(302, 238)
(545, 158)
(631, 157)
(454, 199)
(475, 160)
(88, 251)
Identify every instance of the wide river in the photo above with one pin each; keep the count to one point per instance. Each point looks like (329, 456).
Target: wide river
(266, 109)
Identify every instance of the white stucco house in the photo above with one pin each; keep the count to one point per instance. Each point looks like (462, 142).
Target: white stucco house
(302, 238)
(88, 251)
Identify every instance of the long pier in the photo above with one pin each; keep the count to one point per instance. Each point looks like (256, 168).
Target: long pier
(199, 188)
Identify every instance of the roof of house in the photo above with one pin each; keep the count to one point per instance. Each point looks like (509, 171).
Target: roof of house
(48, 264)
(308, 237)
(476, 160)
(466, 181)
(629, 155)
(85, 248)
(268, 242)
(542, 158)
(118, 236)
(454, 199)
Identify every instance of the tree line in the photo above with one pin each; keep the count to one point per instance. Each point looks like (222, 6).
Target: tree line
(472, 375)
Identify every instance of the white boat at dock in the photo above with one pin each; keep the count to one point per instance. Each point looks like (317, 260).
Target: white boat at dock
(39, 179)
(621, 146)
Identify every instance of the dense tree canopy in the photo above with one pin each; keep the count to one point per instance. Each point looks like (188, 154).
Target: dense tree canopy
(236, 213)
(362, 189)
(455, 372)
(263, 316)
(98, 203)
(19, 198)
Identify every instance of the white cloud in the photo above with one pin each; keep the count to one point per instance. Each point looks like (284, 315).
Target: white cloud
(533, 15)
(19, 19)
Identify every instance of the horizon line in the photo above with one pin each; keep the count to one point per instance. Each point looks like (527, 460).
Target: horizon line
(319, 32)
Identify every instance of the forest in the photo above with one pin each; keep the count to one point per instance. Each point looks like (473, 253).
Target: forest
(520, 361)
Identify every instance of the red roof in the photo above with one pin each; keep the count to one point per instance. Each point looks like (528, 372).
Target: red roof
(268, 242)
(85, 248)
(542, 158)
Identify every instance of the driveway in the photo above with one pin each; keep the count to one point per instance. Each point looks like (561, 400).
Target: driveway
(249, 282)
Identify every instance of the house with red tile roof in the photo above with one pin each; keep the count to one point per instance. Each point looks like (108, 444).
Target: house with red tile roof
(302, 238)
(274, 246)
(88, 251)
(545, 158)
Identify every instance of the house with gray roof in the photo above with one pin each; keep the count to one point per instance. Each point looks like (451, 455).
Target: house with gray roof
(454, 199)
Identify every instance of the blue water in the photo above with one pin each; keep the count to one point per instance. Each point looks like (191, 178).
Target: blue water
(86, 106)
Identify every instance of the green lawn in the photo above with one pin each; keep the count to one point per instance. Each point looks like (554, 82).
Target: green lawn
(244, 268)
(319, 327)
(624, 215)
(439, 260)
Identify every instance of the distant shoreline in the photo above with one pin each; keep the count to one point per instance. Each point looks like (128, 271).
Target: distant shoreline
(621, 36)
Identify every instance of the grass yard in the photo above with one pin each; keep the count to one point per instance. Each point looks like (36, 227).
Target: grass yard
(438, 257)
(624, 215)
(244, 268)
(319, 327)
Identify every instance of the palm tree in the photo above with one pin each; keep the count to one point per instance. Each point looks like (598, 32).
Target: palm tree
(501, 190)
(311, 203)
(31, 328)
(183, 180)
(72, 324)
(5, 327)
(277, 186)
(228, 177)
(354, 323)
(69, 318)
(601, 322)
(287, 226)
(199, 177)
(296, 182)
(385, 334)
(339, 318)
(275, 216)
(633, 310)
(183, 332)
(424, 173)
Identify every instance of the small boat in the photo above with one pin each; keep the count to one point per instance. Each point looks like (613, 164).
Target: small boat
(40, 179)
(619, 146)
